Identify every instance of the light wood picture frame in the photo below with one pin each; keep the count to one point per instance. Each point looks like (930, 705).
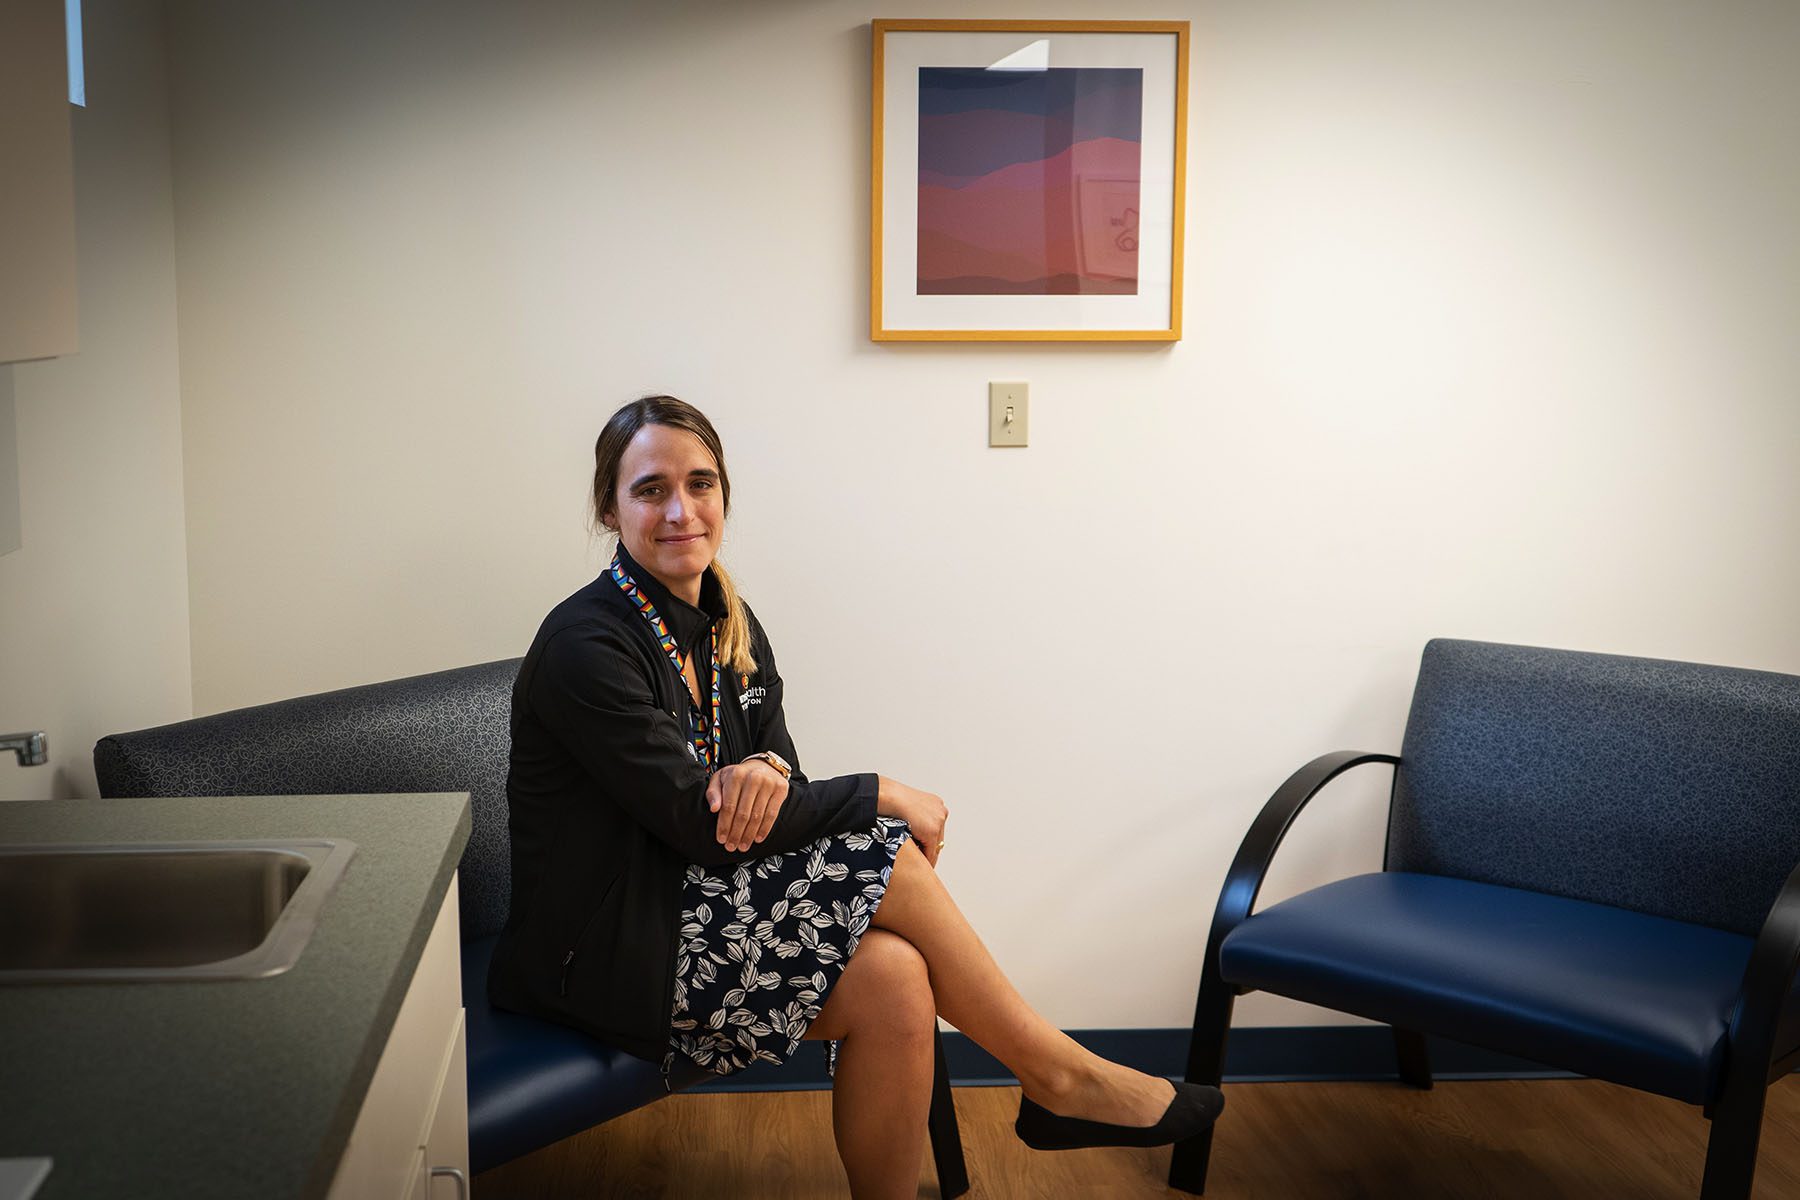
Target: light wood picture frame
(1028, 180)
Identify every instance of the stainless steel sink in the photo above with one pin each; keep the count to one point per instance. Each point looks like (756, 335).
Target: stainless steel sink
(176, 910)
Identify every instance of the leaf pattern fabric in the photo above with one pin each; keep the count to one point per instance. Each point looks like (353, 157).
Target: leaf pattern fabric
(761, 943)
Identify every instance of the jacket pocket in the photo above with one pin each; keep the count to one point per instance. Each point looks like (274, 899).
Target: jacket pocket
(583, 947)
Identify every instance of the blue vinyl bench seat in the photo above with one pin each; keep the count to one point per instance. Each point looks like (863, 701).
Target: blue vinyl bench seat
(1621, 995)
(532, 1083)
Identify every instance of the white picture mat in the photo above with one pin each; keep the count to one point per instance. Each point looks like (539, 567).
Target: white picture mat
(21, 1177)
(902, 307)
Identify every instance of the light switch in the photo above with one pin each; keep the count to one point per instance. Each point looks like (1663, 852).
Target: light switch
(1009, 413)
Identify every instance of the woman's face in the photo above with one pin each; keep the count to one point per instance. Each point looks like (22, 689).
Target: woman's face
(669, 508)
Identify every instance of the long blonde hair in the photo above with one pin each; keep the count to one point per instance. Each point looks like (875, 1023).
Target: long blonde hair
(609, 449)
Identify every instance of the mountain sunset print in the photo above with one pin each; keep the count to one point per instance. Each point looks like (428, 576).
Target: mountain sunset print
(1029, 180)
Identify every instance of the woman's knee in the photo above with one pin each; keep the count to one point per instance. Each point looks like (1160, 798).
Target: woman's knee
(893, 977)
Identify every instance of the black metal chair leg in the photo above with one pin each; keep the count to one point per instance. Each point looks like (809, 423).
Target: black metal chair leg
(1757, 1054)
(1414, 1058)
(946, 1138)
(1206, 1064)
(1731, 1151)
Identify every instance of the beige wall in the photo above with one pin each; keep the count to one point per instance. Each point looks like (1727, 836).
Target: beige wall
(93, 606)
(1489, 334)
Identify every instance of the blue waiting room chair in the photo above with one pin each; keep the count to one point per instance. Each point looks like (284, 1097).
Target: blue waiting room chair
(1591, 863)
(531, 1082)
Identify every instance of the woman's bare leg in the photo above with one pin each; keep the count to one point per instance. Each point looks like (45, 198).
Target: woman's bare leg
(883, 1011)
(975, 996)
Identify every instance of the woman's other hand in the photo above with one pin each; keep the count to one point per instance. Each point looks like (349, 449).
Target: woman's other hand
(747, 796)
(923, 812)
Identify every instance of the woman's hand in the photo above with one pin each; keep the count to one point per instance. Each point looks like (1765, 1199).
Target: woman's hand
(747, 796)
(923, 812)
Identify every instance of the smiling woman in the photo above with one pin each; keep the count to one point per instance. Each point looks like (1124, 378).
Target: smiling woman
(672, 513)
(683, 891)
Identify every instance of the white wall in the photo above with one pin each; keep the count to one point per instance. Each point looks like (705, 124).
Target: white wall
(94, 605)
(1489, 323)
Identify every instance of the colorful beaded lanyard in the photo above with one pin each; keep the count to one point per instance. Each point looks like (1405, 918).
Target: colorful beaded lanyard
(707, 751)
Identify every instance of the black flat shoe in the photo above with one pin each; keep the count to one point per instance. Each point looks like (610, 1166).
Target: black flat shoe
(1192, 1111)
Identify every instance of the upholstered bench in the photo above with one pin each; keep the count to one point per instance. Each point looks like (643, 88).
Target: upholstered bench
(531, 1082)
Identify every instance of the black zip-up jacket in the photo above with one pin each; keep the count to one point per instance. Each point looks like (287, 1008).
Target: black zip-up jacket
(608, 806)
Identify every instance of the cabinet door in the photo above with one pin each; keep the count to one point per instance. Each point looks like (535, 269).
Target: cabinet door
(37, 200)
(420, 1188)
(384, 1155)
(447, 1140)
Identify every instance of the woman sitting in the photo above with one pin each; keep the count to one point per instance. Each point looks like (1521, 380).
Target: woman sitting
(680, 887)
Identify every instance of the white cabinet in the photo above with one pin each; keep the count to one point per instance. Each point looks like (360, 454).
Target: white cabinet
(415, 1116)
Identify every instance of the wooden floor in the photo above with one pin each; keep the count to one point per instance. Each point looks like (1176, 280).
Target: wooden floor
(1533, 1139)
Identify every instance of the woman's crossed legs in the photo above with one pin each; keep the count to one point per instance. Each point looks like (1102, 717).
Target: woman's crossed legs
(921, 959)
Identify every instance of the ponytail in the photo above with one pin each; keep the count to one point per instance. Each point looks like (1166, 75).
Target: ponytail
(734, 634)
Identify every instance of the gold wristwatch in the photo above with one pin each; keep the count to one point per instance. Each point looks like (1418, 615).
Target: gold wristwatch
(774, 760)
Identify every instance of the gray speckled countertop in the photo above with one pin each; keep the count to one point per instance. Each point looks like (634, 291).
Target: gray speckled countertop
(238, 1088)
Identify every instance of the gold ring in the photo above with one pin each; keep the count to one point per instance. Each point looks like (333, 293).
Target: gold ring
(941, 846)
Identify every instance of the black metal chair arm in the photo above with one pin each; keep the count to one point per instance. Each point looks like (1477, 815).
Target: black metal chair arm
(1245, 878)
(1757, 1029)
(1212, 1011)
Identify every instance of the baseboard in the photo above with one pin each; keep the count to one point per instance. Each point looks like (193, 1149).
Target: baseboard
(1255, 1054)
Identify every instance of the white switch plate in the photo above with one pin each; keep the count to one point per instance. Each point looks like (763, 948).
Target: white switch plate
(1009, 413)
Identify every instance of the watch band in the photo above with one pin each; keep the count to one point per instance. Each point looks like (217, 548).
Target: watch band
(774, 760)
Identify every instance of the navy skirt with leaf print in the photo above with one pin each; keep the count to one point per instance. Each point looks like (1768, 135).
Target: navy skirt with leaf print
(762, 943)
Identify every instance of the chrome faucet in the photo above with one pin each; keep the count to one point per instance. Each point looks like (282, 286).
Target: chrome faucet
(30, 747)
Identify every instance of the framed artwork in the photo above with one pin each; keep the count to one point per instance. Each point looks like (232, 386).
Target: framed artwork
(1028, 180)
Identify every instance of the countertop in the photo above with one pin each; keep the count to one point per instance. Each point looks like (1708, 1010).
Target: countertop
(232, 1088)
